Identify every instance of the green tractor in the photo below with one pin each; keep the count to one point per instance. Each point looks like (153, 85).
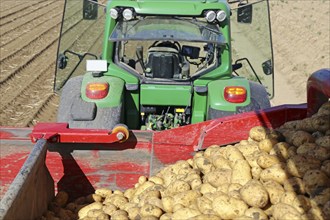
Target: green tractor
(161, 64)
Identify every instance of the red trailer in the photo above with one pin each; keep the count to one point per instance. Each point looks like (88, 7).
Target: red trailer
(81, 160)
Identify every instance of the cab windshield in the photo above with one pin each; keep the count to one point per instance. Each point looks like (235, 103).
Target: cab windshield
(185, 47)
(167, 29)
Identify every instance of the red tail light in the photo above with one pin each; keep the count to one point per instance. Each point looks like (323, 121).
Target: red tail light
(235, 94)
(97, 90)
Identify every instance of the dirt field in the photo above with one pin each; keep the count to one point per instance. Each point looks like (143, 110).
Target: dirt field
(29, 31)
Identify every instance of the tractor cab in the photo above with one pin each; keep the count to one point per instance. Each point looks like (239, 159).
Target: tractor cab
(150, 64)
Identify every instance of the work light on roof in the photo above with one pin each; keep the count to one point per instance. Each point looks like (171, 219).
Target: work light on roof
(210, 16)
(113, 13)
(221, 15)
(128, 14)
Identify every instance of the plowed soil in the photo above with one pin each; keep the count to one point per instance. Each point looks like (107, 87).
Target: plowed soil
(29, 32)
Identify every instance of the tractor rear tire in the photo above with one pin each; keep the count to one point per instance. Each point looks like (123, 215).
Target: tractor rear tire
(105, 118)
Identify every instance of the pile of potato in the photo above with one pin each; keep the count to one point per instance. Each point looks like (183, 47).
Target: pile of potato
(281, 174)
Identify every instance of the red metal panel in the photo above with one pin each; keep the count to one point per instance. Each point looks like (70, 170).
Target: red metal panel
(232, 129)
(318, 90)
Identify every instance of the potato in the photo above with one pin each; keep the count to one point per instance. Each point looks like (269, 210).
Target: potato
(322, 197)
(220, 162)
(65, 214)
(185, 213)
(178, 206)
(292, 151)
(61, 198)
(275, 172)
(166, 216)
(119, 215)
(150, 217)
(298, 165)
(150, 210)
(324, 109)
(315, 214)
(299, 202)
(109, 209)
(315, 180)
(252, 159)
(223, 188)
(129, 205)
(248, 148)
(267, 144)
(104, 192)
(211, 150)
(300, 137)
(71, 206)
(143, 187)
(205, 217)
(306, 148)
(168, 178)
(203, 204)
(232, 154)
(157, 202)
(323, 141)
(321, 123)
(243, 217)
(241, 172)
(195, 183)
(326, 167)
(281, 150)
(156, 180)
(176, 187)
(227, 207)
(265, 160)
(218, 177)
(93, 198)
(326, 210)
(314, 151)
(186, 198)
(129, 193)
(254, 194)
(255, 172)
(294, 184)
(168, 203)
(275, 191)
(258, 133)
(142, 179)
(285, 212)
(83, 212)
(256, 214)
(204, 164)
(233, 190)
(94, 212)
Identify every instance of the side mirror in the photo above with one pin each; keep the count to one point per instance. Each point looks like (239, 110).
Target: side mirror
(90, 9)
(190, 51)
(62, 61)
(267, 67)
(244, 13)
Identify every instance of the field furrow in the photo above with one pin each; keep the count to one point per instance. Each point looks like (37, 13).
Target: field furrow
(15, 64)
(20, 43)
(11, 13)
(23, 14)
(46, 113)
(12, 31)
(6, 7)
(27, 76)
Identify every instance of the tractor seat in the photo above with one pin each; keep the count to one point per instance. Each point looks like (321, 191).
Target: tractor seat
(163, 62)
